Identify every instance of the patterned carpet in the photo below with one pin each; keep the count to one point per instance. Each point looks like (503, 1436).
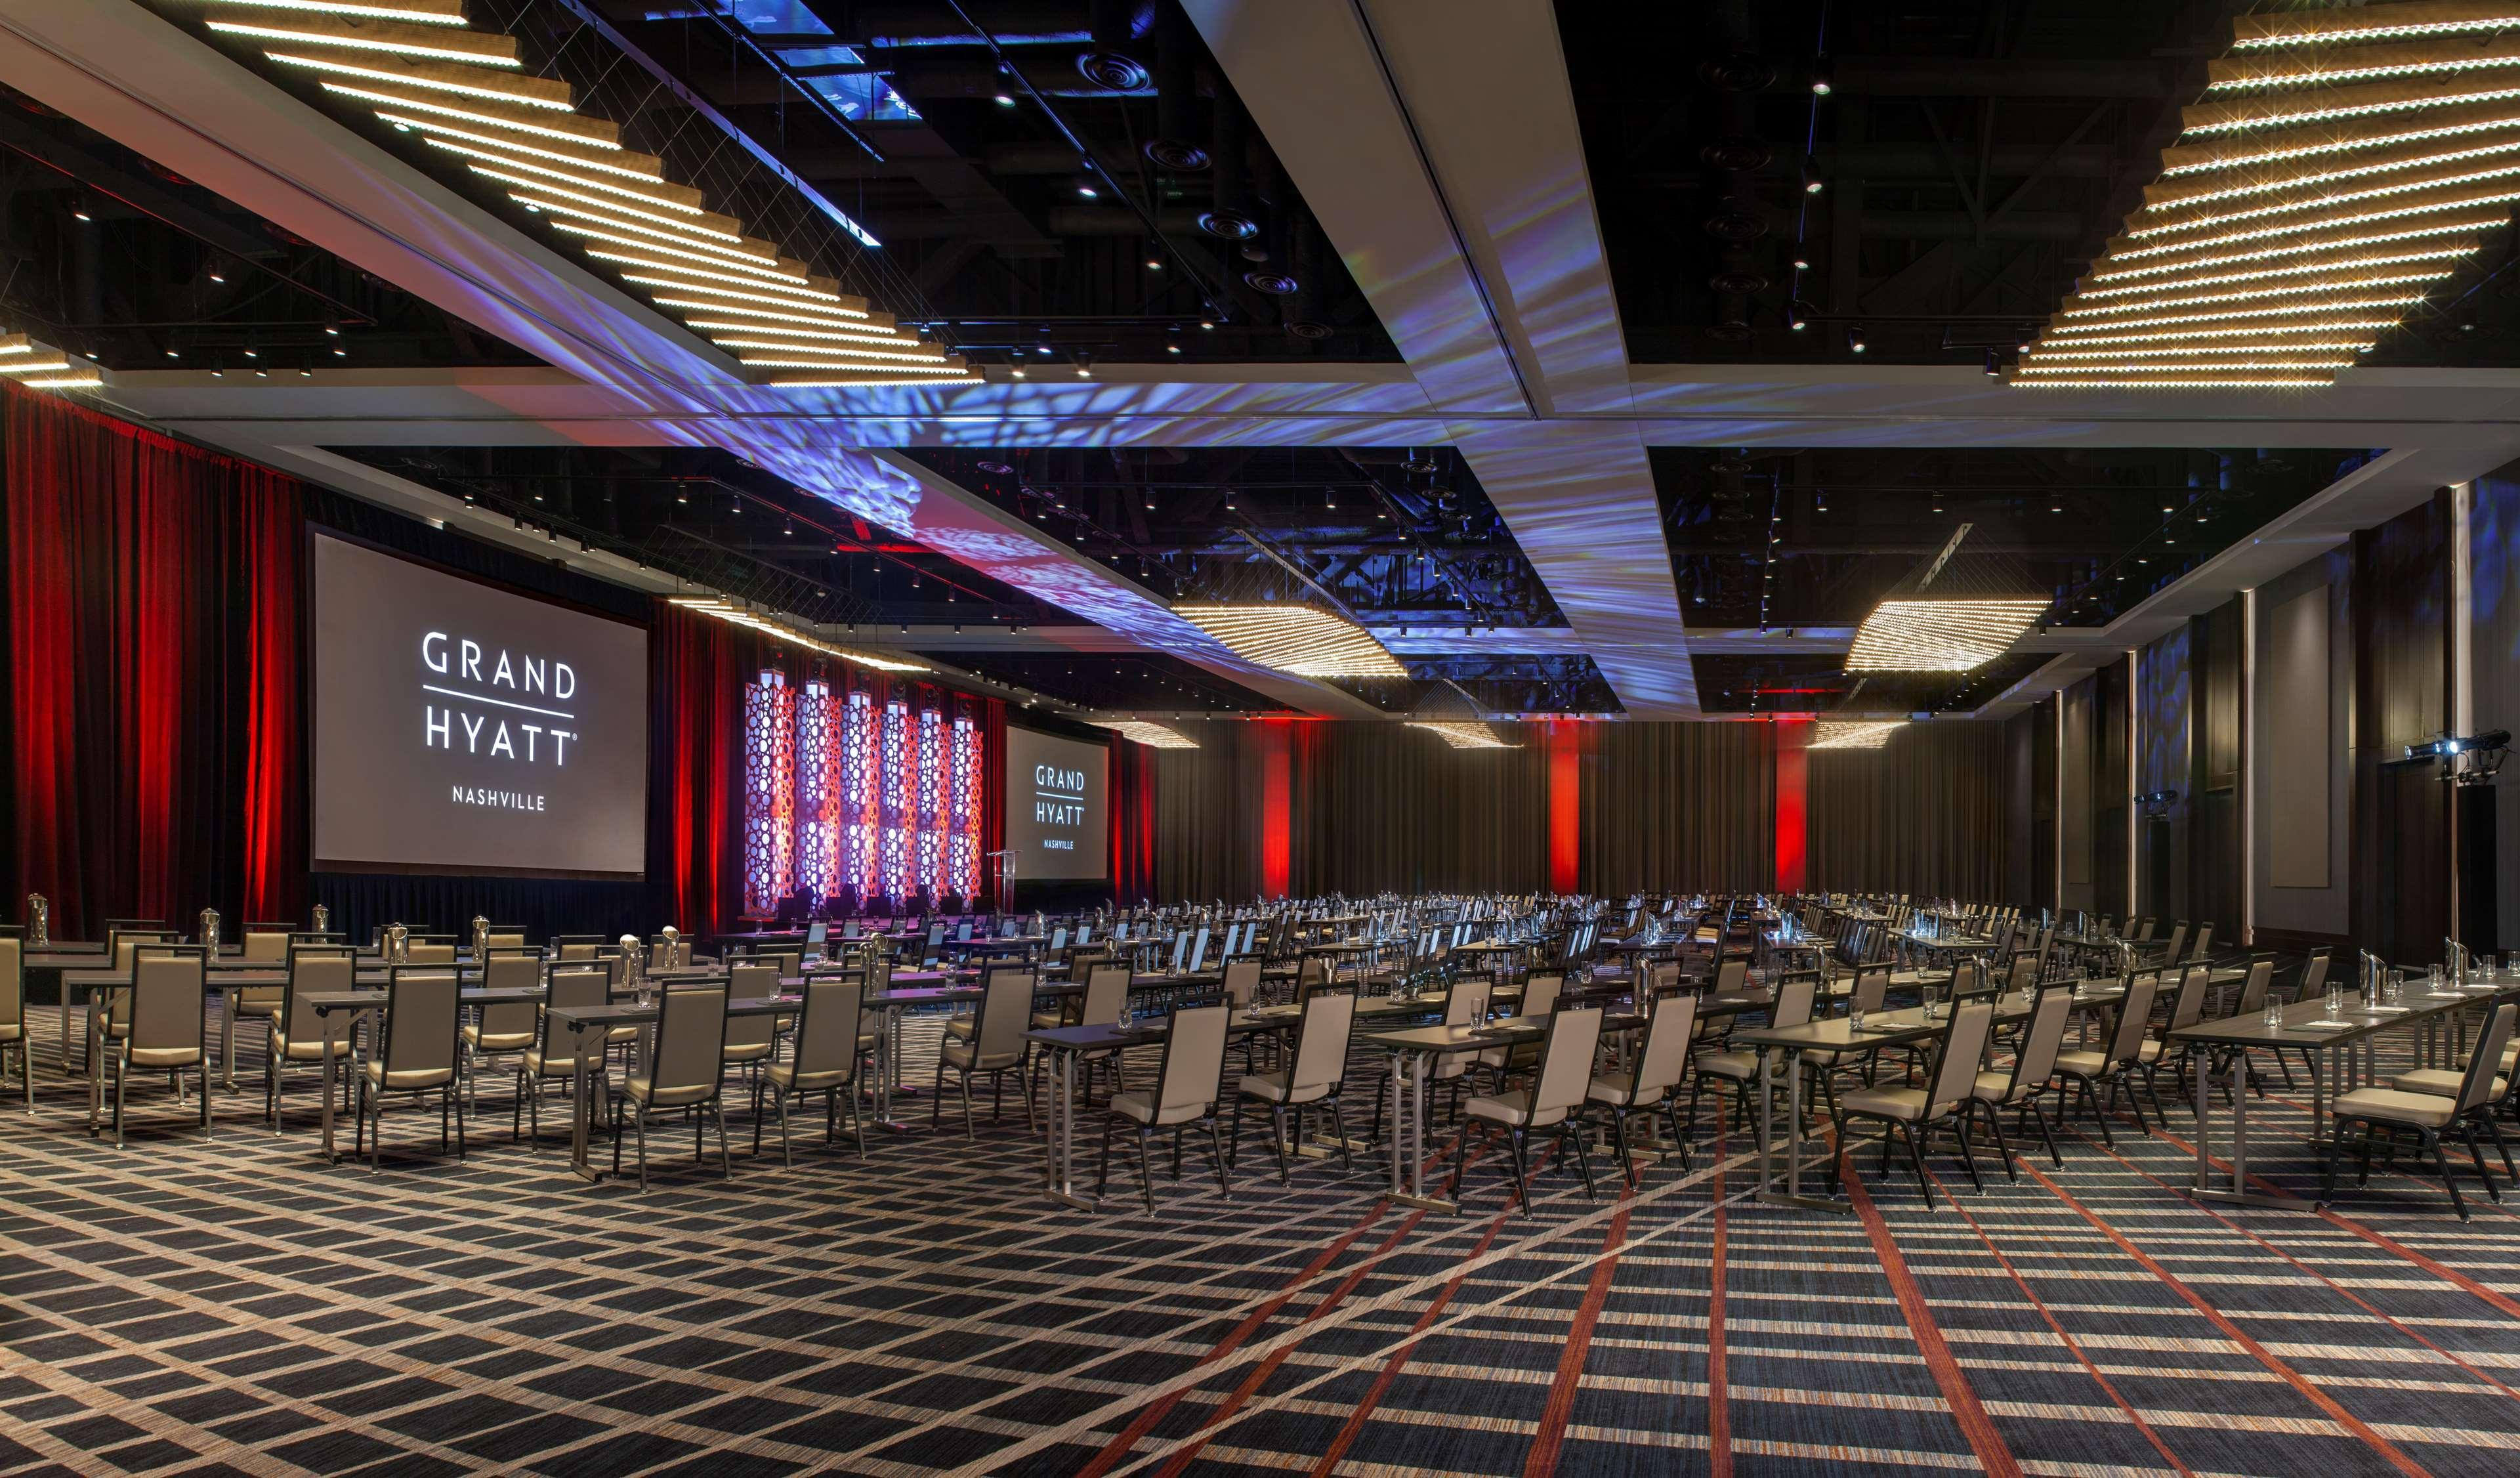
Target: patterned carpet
(242, 1307)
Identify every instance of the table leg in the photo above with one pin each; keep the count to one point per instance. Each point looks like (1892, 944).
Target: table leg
(1792, 1194)
(228, 997)
(580, 1110)
(1412, 1120)
(887, 1076)
(1063, 1136)
(64, 979)
(1397, 1137)
(329, 1157)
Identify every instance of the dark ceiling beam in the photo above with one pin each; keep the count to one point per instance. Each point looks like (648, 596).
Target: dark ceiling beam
(83, 166)
(2001, 78)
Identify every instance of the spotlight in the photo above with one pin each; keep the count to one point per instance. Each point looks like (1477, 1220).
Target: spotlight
(1084, 365)
(218, 271)
(1207, 322)
(1802, 263)
(332, 327)
(1855, 340)
(1994, 370)
(1172, 340)
(1155, 263)
(1017, 369)
(340, 353)
(81, 210)
(1004, 99)
(1813, 184)
(1085, 188)
(1798, 316)
(1823, 81)
(174, 353)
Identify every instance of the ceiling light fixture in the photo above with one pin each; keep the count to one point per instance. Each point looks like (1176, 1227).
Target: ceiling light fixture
(1152, 736)
(1295, 639)
(1463, 735)
(1844, 733)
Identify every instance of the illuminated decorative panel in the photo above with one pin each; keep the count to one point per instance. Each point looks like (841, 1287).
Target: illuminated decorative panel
(41, 366)
(1853, 734)
(769, 793)
(1924, 634)
(1152, 736)
(932, 800)
(419, 66)
(818, 789)
(861, 813)
(893, 772)
(718, 608)
(963, 867)
(1461, 735)
(2343, 161)
(1296, 640)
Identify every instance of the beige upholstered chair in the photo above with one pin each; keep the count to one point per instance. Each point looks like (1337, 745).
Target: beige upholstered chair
(687, 1072)
(2124, 1057)
(1945, 1101)
(416, 1052)
(1315, 1075)
(1540, 992)
(574, 985)
(1563, 1075)
(266, 945)
(1659, 1064)
(13, 1015)
(751, 1039)
(2031, 1078)
(1184, 1097)
(164, 1032)
(824, 1061)
(432, 954)
(2428, 1115)
(504, 1028)
(995, 1046)
(1732, 1068)
(960, 1026)
(297, 1032)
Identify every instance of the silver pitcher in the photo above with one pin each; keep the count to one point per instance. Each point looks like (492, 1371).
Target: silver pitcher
(40, 921)
(210, 930)
(481, 938)
(323, 920)
(634, 965)
(673, 947)
(397, 944)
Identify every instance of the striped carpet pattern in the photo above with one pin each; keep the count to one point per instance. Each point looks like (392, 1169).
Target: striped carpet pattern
(245, 1307)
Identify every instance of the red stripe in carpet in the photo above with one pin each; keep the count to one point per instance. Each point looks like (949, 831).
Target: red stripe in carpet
(1144, 1421)
(1718, 1410)
(1541, 1461)
(1390, 1371)
(1992, 1455)
(2234, 1333)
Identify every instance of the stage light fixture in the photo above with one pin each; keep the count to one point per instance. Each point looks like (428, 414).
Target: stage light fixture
(1855, 340)
(1295, 639)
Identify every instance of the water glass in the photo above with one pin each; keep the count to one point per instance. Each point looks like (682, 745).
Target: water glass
(2275, 1013)
(1855, 1019)
(2335, 1001)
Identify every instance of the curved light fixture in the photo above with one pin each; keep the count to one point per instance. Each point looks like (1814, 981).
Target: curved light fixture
(1152, 736)
(1295, 640)
(1853, 734)
(1463, 735)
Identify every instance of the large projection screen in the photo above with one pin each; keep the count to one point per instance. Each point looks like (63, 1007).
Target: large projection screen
(462, 729)
(1057, 812)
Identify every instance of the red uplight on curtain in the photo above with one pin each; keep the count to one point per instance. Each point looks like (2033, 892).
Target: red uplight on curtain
(1793, 791)
(1565, 806)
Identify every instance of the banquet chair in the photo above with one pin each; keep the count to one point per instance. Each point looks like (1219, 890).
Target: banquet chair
(1540, 993)
(824, 1061)
(996, 1046)
(2428, 1115)
(165, 1004)
(1184, 1097)
(13, 1017)
(297, 1032)
(1739, 1068)
(264, 944)
(2252, 1001)
(2124, 1057)
(1945, 1101)
(687, 1071)
(753, 1038)
(574, 985)
(415, 1053)
(505, 1029)
(2164, 1049)
(1660, 1062)
(1562, 1076)
(1314, 1075)
(2031, 1077)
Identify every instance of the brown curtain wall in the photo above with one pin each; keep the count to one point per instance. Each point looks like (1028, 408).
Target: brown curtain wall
(1374, 806)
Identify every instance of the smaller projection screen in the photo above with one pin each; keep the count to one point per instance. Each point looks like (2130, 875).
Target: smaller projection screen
(462, 729)
(1057, 812)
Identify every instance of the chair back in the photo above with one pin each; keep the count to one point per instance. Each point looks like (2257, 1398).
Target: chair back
(422, 1012)
(691, 1038)
(2178, 937)
(579, 949)
(314, 968)
(1242, 982)
(2314, 977)
(574, 986)
(1871, 984)
(2024, 973)
(1468, 1005)
(2135, 1014)
(2189, 1004)
(1193, 1058)
(1567, 1060)
(752, 982)
(827, 1027)
(166, 1001)
(1793, 1005)
(511, 968)
(1321, 1039)
(431, 954)
(266, 946)
(2253, 990)
(2477, 1088)
(1732, 976)
(2204, 941)
(1664, 1058)
(1963, 1047)
(13, 982)
(1106, 995)
(1006, 1013)
(1968, 979)
(2036, 1061)
(1540, 994)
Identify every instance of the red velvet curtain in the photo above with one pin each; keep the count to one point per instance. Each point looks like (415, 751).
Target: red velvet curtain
(1133, 821)
(156, 761)
(697, 671)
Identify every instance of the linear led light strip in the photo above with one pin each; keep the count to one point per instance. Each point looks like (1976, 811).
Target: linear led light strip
(771, 294)
(2147, 304)
(387, 37)
(2371, 100)
(2277, 311)
(2216, 369)
(2288, 228)
(562, 128)
(690, 257)
(822, 357)
(2257, 73)
(1839, 733)
(2255, 383)
(45, 367)
(2182, 160)
(2244, 330)
(2049, 354)
(1941, 635)
(720, 609)
(2333, 28)
(759, 337)
(415, 12)
(1462, 736)
(952, 364)
(2161, 198)
(642, 172)
(2208, 257)
(2298, 269)
(2326, 201)
(1296, 640)
(524, 92)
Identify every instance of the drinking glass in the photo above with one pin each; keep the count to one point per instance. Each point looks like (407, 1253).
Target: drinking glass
(2275, 1013)
(1855, 1019)
(2335, 1001)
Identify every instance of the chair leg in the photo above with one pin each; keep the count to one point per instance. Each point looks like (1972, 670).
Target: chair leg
(2003, 1151)
(1103, 1176)
(1521, 1172)
(207, 1135)
(2499, 1143)
(787, 1149)
(1583, 1161)
(1339, 1126)
(725, 1162)
(1216, 1152)
(1147, 1166)
(1917, 1159)
(1278, 1143)
(2039, 1112)
(639, 1123)
(1968, 1154)
(459, 1129)
(2441, 1162)
(2475, 1151)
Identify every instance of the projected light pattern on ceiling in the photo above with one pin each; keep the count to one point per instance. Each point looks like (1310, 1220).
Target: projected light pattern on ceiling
(2341, 162)
(419, 66)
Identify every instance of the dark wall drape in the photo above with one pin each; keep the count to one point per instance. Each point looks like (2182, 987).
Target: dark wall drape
(155, 765)
(1133, 819)
(1923, 814)
(1382, 806)
(1679, 806)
